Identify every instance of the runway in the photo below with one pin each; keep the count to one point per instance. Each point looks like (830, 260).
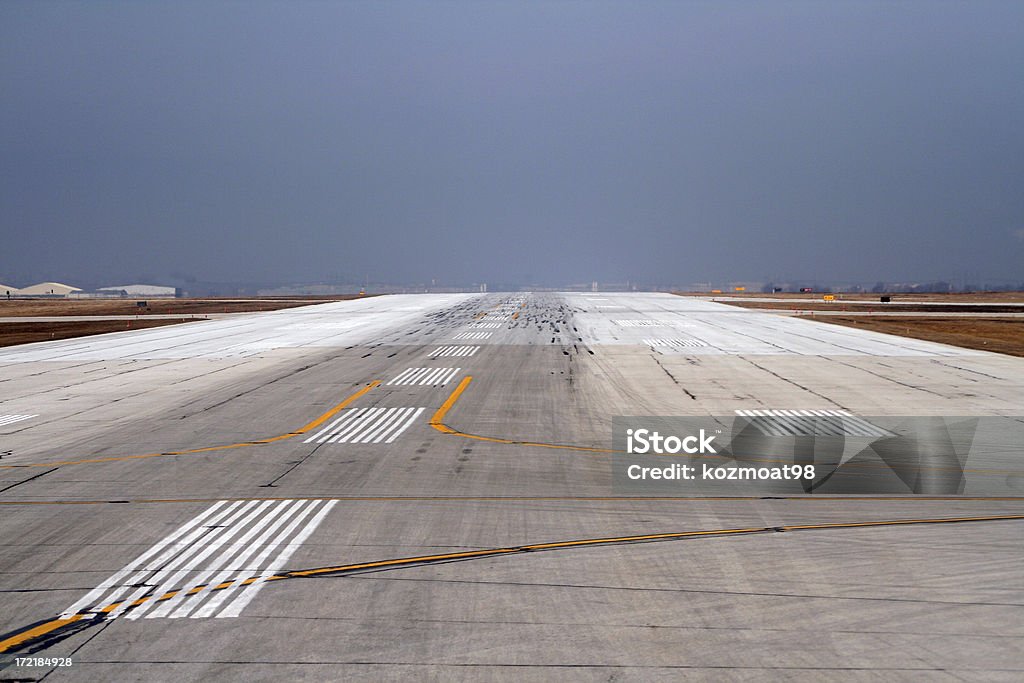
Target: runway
(422, 486)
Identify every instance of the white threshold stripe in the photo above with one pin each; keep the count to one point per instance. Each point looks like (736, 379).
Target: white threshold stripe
(402, 376)
(228, 543)
(137, 581)
(156, 584)
(375, 432)
(675, 342)
(236, 553)
(345, 416)
(240, 572)
(125, 586)
(810, 422)
(454, 350)
(418, 375)
(235, 607)
(11, 419)
(371, 428)
(424, 377)
(431, 377)
(406, 426)
(357, 424)
(370, 425)
(95, 594)
(416, 413)
(195, 563)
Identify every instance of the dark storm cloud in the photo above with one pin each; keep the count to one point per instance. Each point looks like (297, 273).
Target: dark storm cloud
(512, 142)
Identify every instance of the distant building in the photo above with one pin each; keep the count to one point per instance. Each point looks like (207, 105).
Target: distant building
(6, 290)
(151, 291)
(48, 289)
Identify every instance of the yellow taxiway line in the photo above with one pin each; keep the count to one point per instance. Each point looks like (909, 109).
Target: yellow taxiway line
(38, 630)
(437, 422)
(244, 444)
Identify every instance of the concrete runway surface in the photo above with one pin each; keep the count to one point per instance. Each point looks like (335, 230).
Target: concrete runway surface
(419, 486)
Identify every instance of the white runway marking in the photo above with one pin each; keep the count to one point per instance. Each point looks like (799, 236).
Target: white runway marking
(810, 423)
(367, 425)
(249, 592)
(11, 419)
(676, 343)
(486, 325)
(215, 547)
(472, 335)
(454, 350)
(647, 323)
(425, 376)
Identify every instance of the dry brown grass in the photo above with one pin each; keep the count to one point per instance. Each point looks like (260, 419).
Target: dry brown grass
(1001, 335)
(959, 297)
(28, 332)
(53, 307)
(904, 306)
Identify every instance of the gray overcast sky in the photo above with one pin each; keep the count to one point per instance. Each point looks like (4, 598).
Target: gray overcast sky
(549, 142)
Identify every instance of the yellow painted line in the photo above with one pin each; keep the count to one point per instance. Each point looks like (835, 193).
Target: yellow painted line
(36, 632)
(623, 539)
(244, 444)
(437, 422)
(336, 409)
(50, 626)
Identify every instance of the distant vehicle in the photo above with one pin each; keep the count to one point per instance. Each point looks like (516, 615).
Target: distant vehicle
(806, 289)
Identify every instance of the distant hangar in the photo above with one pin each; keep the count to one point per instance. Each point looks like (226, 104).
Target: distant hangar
(47, 289)
(61, 290)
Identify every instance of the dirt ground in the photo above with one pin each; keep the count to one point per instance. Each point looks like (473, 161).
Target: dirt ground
(48, 307)
(960, 297)
(905, 306)
(1002, 335)
(25, 333)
